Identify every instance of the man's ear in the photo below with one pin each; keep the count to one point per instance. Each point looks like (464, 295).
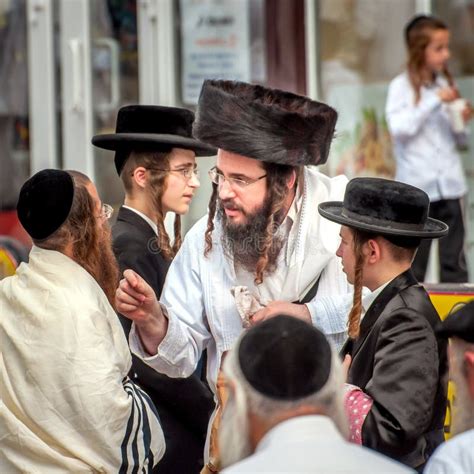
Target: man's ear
(373, 251)
(292, 180)
(469, 367)
(139, 176)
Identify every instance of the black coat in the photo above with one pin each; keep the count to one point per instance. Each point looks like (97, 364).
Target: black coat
(400, 363)
(184, 405)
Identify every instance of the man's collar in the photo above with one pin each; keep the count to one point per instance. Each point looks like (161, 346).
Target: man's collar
(368, 299)
(297, 202)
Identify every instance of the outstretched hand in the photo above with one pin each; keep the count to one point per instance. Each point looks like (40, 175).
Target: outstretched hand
(135, 298)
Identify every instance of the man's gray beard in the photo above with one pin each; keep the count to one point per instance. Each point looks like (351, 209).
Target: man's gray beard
(463, 410)
(244, 242)
(234, 435)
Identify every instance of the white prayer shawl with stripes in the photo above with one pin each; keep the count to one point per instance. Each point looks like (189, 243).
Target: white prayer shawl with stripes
(66, 403)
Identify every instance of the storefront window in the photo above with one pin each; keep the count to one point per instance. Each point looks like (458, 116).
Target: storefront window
(258, 41)
(14, 120)
(361, 49)
(459, 16)
(115, 81)
(14, 143)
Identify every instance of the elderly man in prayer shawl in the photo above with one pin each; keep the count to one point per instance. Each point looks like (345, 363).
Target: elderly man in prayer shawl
(285, 410)
(67, 404)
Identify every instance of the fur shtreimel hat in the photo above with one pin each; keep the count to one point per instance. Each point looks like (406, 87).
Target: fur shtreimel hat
(265, 124)
(45, 202)
(151, 128)
(385, 207)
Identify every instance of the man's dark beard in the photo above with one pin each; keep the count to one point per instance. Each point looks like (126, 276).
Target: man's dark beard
(244, 242)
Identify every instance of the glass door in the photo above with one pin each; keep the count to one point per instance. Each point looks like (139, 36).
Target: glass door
(14, 115)
(99, 71)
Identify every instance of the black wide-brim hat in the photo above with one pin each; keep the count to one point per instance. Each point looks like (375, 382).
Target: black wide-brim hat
(269, 125)
(385, 207)
(150, 128)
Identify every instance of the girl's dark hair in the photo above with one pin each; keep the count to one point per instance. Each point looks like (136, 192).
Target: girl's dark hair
(418, 36)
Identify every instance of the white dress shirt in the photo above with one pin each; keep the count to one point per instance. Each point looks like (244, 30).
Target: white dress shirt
(312, 444)
(202, 311)
(424, 143)
(368, 297)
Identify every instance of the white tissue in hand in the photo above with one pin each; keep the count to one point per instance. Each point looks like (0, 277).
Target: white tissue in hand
(247, 303)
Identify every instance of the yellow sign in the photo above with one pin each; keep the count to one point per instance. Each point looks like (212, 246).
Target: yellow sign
(7, 263)
(446, 299)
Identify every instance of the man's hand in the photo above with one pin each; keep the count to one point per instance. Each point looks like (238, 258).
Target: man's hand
(447, 94)
(346, 365)
(136, 300)
(275, 308)
(468, 112)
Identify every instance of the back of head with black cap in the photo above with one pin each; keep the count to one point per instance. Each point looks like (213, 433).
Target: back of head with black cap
(285, 363)
(45, 202)
(282, 368)
(285, 358)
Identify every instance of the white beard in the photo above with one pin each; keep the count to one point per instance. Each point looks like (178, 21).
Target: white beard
(234, 436)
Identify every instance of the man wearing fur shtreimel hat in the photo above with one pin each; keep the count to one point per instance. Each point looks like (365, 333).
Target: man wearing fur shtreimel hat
(262, 250)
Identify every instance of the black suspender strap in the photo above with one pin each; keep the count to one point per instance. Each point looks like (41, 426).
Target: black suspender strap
(311, 293)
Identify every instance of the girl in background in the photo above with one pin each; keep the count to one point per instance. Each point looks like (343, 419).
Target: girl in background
(425, 142)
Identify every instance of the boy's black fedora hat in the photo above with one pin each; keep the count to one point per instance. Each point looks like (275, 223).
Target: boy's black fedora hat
(385, 207)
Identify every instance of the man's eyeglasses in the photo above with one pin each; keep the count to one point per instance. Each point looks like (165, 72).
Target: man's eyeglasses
(235, 183)
(187, 173)
(106, 211)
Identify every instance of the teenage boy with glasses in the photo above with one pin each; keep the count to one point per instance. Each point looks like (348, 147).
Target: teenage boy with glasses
(155, 158)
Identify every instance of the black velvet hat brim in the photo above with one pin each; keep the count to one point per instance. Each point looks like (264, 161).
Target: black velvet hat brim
(332, 211)
(129, 141)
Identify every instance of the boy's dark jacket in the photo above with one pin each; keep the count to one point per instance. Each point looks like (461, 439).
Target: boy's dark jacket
(184, 405)
(400, 363)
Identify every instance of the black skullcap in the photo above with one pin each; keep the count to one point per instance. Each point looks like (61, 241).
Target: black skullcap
(285, 358)
(459, 324)
(44, 203)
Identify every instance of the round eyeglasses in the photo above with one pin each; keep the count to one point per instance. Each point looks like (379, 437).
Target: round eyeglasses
(235, 183)
(187, 173)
